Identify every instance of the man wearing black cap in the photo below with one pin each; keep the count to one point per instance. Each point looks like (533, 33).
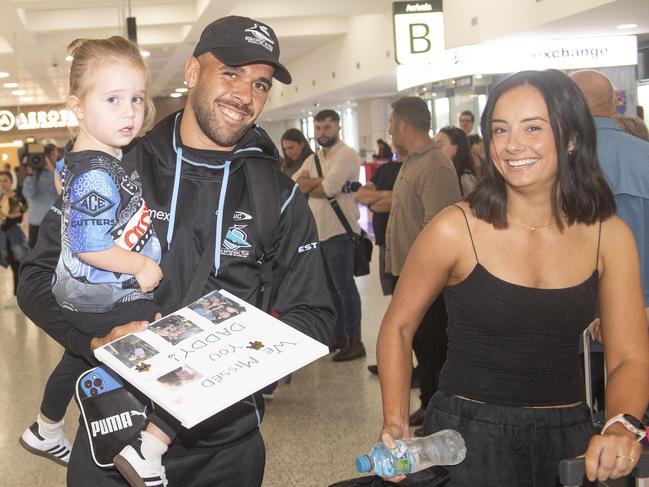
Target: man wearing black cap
(207, 171)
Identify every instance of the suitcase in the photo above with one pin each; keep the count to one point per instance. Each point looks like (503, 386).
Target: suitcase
(572, 471)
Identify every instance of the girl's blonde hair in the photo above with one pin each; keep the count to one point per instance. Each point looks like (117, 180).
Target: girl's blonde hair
(90, 54)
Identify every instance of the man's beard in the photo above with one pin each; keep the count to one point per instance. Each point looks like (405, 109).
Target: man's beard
(210, 125)
(328, 141)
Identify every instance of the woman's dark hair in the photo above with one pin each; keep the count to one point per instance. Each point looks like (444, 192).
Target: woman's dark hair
(8, 174)
(463, 159)
(295, 135)
(384, 149)
(474, 139)
(580, 190)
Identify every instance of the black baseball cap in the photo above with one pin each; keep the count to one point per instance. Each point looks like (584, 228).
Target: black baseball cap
(237, 41)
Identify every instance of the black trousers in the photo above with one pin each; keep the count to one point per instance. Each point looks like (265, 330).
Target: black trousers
(429, 344)
(240, 464)
(59, 389)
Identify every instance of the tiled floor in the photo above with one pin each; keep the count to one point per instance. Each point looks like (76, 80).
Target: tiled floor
(313, 428)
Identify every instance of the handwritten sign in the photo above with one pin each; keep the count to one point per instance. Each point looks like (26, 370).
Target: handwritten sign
(209, 355)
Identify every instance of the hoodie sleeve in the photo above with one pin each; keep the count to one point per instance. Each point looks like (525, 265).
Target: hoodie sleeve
(34, 292)
(301, 296)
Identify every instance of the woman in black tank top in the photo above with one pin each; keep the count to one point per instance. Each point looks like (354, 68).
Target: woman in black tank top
(523, 263)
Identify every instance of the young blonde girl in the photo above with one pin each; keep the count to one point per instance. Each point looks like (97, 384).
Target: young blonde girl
(108, 267)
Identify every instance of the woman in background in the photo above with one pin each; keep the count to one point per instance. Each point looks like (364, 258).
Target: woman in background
(456, 145)
(477, 151)
(295, 148)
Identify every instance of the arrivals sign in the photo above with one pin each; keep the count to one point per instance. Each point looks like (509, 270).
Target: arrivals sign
(418, 31)
(510, 57)
(37, 120)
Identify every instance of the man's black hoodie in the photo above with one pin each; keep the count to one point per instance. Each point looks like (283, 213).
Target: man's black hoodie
(199, 202)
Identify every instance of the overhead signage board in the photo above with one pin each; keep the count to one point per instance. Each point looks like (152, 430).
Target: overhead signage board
(37, 120)
(418, 31)
(510, 57)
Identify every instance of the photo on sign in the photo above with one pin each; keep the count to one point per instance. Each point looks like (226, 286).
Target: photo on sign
(175, 328)
(216, 307)
(131, 350)
(179, 377)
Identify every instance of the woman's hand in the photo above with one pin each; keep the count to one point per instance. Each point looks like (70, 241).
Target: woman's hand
(595, 330)
(612, 455)
(389, 434)
(120, 331)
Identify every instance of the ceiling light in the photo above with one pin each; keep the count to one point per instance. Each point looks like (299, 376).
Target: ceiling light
(181, 90)
(627, 26)
(18, 92)
(10, 85)
(25, 99)
(69, 58)
(144, 53)
(4, 74)
(477, 76)
(176, 95)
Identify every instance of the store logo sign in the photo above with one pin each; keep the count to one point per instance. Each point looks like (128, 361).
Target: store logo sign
(418, 31)
(7, 121)
(37, 120)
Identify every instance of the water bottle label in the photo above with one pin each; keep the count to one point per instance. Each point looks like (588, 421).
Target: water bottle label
(400, 450)
(402, 462)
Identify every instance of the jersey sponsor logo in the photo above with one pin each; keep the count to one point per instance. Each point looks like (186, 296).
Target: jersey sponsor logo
(129, 186)
(241, 215)
(159, 215)
(93, 204)
(137, 231)
(236, 242)
(307, 247)
(97, 222)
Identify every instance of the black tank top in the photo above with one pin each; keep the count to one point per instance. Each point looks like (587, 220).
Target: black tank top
(516, 345)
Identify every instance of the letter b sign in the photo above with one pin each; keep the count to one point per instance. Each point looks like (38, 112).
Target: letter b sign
(418, 32)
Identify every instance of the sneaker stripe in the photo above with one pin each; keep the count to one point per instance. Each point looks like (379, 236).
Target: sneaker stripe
(62, 454)
(56, 449)
(34, 429)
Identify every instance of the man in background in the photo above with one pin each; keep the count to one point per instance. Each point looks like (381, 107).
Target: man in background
(426, 184)
(625, 162)
(467, 119)
(339, 164)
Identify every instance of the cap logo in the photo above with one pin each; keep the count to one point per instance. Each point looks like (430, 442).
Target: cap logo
(260, 36)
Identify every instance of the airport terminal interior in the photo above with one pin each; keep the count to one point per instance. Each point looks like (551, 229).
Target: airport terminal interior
(353, 56)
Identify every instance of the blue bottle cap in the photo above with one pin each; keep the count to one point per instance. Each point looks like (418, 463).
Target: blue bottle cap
(363, 463)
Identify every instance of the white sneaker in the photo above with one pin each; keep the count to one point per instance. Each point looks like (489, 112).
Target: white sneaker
(57, 450)
(138, 471)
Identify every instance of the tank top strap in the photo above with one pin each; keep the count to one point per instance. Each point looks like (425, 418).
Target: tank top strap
(599, 239)
(470, 234)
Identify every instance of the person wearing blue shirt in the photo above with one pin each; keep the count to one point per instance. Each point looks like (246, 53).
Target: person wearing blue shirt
(624, 159)
(40, 191)
(625, 162)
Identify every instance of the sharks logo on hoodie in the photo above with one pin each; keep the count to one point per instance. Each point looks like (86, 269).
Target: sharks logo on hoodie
(235, 243)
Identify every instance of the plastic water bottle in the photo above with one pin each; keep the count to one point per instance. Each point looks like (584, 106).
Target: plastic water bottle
(411, 455)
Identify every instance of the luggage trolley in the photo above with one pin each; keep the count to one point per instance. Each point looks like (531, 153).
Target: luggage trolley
(572, 471)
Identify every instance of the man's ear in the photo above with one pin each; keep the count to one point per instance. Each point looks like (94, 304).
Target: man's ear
(75, 106)
(192, 71)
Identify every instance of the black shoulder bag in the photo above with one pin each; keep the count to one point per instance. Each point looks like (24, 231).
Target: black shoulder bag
(362, 244)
